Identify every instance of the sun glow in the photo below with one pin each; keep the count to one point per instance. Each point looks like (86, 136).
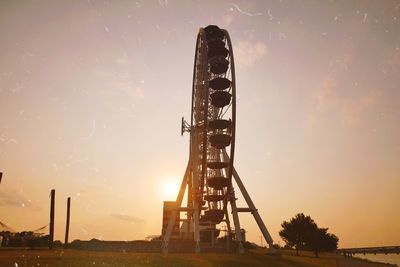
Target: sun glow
(170, 188)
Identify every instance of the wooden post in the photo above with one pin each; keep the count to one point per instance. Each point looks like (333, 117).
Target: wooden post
(67, 223)
(52, 211)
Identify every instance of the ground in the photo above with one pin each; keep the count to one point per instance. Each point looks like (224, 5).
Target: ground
(80, 258)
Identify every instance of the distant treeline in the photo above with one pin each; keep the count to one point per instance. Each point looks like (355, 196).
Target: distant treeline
(33, 240)
(25, 239)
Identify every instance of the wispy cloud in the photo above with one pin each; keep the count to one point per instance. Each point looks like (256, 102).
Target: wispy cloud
(246, 53)
(326, 93)
(349, 110)
(352, 109)
(124, 217)
(11, 197)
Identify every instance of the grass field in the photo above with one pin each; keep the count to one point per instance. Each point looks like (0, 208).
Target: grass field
(79, 258)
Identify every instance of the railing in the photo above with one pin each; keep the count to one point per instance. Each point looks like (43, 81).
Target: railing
(369, 250)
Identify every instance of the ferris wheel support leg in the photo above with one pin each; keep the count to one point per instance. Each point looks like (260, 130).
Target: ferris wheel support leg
(236, 222)
(251, 205)
(255, 213)
(178, 203)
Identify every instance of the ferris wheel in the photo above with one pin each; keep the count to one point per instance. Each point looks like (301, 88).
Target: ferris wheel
(210, 169)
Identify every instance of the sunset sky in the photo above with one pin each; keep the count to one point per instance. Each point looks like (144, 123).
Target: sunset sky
(92, 92)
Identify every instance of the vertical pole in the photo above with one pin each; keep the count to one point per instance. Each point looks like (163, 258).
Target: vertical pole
(67, 223)
(1, 175)
(52, 211)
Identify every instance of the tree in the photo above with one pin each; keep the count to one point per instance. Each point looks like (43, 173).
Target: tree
(301, 232)
(298, 231)
(321, 240)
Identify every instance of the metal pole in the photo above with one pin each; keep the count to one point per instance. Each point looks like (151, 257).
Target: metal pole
(52, 211)
(67, 223)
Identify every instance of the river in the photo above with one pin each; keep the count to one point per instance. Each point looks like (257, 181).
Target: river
(389, 258)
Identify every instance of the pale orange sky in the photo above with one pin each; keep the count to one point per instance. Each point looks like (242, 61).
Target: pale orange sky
(91, 95)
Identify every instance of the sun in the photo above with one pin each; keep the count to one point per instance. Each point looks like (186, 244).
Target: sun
(170, 188)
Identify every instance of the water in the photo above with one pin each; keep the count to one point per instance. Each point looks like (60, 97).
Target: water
(389, 258)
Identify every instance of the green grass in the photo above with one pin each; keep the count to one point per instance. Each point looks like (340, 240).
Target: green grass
(80, 258)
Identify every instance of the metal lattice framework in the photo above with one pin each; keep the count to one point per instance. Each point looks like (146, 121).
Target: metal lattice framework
(210, 169)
